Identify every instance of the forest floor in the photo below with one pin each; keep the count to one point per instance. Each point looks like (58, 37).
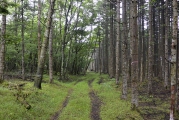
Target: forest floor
(155, 106)
(89, 97)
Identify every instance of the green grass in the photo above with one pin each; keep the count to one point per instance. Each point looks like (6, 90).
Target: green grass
(113, 108)
(78, 107)
(44, 103)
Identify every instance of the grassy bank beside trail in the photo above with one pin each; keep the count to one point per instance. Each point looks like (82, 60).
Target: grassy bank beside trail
(43, 102)
(46, 102)
(113, 107)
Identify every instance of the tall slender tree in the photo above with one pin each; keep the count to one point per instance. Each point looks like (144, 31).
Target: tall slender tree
(117, 42)
(106, 39)
(39, 26)
(51, 56)
(166, 44)
(150, 49)
(15, 18)
(144, 51)
(41, 61)
(22, 36)
(2, 48)
(134, 53)
(111, 54)
(162, 41)
(173, 59)
(125, 73)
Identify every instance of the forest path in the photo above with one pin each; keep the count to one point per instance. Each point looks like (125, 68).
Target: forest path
(95, 103)
(65, 102)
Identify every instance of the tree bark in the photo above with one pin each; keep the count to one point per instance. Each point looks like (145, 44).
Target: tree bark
(140, 38)
(41, 61)
(166, 45)
(117, 42)
(111, 55)
(51, 56)
(162, 41)
(150, 50)
(173, 59)
(22, 36)
(2, 48)
(144, 53)
(106, 42)
(125, 73)
(134, 54)
(39, 27)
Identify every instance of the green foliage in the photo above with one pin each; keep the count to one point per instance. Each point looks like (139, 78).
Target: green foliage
(4, 6)
(10, 39)
(152, 2)
(73, 31)
(4, 10)
(80, 32)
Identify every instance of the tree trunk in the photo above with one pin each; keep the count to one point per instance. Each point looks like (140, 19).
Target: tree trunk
(117, 42)
(51, 56)
(32, 56)
(144, 53)
(150, 51)
(134, 54)
(39, 27)
(62, 61)
(166, 45)
(173, 59)
(162, 43)
(139, 38)
(2, 48)
(15, 19)
(22, 36)
(41, 61)
(155, 40)
(111, 55)
(125, 73)
(106, 42)
(99, 51)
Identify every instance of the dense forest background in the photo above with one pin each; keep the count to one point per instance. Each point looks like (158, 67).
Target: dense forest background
(130, 40)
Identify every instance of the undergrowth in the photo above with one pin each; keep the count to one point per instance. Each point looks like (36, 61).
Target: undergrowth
(44, 103)
(113, 107)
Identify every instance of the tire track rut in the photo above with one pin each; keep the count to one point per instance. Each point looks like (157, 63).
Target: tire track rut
(95, 103)
(65, 102)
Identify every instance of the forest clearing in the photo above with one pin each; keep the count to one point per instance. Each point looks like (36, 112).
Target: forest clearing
(89, 59)
(85, 97)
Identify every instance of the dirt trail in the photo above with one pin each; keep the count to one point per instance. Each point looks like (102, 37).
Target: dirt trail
(101, 80)
(90, 82)
(57, 114)
(78, 81)
(95, 103)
